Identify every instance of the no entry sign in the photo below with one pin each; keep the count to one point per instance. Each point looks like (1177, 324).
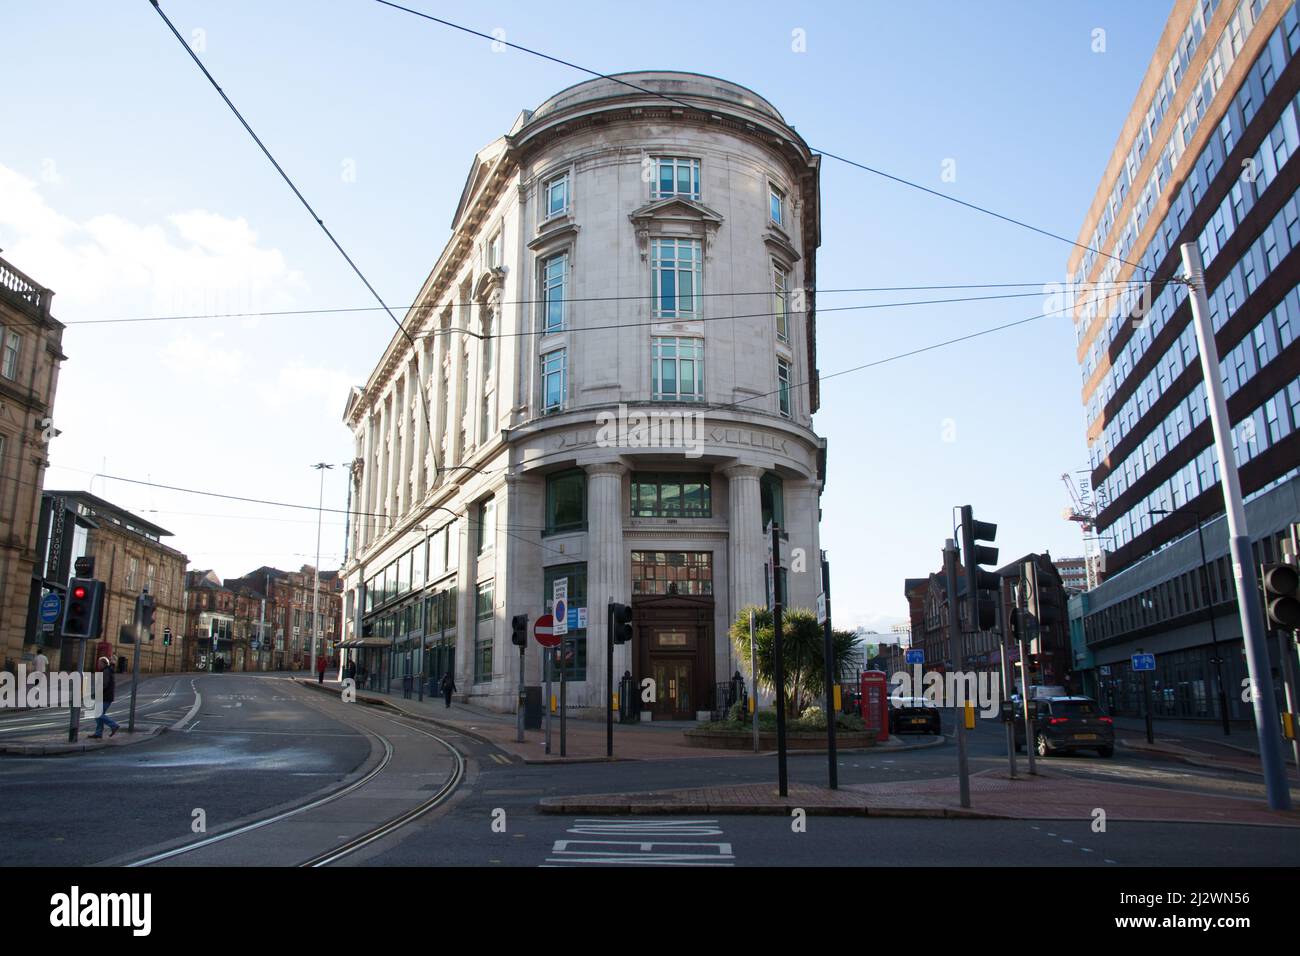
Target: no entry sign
(544, 631)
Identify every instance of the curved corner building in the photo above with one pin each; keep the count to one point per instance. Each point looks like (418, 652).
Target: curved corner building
(1207, 155)
(616, 353)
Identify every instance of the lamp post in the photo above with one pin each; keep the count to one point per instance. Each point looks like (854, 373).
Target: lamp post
(1209, 610)
(322, 467)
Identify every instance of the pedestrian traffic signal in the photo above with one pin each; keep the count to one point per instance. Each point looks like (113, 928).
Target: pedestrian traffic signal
(144, 614)
(1282, 595)
(83, 610)
(519, 630)
(621, 617)
(167, 637)
(981, 584)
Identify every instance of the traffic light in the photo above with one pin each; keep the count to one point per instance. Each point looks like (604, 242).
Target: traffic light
(981, 584)
(621, 615)
(1282, 595)
(144, 613)
(519, 630)
(83, 609)
(167, 637)
(1038, 594)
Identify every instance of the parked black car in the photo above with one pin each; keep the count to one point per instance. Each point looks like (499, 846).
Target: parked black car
(1067, 724)
(914, 715)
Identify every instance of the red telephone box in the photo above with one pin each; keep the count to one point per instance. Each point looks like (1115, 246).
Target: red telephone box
(874, 704)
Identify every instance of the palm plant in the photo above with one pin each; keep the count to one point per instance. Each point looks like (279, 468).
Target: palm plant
(803, 646)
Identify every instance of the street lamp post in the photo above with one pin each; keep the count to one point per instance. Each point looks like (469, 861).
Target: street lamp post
(322, 467)
(1209, 610)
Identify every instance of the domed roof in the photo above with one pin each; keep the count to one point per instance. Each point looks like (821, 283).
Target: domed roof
(669, 83)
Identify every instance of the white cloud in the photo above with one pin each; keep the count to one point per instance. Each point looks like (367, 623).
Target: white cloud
(195, 262)
(313, 386)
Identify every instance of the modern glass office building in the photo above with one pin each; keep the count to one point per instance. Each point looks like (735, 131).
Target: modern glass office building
(1206, 155)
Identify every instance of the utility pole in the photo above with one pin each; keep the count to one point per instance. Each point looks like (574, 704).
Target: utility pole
(1004, 628)
(1243, 561)
(828, 676)
(1020, 624)
(954, 654)
(778, 654)
(322, 467)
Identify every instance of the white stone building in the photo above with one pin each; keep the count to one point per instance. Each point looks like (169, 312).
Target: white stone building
(612, 381)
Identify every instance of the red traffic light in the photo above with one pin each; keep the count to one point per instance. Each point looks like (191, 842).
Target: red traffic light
(79, 593)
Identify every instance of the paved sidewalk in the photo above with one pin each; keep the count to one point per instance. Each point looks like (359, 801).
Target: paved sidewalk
(993, 796)
(1200, 743)
(585, 737)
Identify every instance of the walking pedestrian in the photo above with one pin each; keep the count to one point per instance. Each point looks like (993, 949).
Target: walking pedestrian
(41, 665)
(350, 672)
(320, 669)
(105, 668)
(448, 687)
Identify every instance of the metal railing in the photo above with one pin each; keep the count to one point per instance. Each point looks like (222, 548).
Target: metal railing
(19, 288)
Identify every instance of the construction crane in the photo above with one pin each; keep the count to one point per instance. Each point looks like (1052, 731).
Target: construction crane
(1081, 506)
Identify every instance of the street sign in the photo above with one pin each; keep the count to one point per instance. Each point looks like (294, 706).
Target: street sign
(560, 605)
(1144, 662)
(581, 624)
(544, 631)
(51, 606)
(821, 608)
(915, 655)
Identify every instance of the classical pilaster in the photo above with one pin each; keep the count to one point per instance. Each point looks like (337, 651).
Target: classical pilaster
(422, 390)
(746, 549)
(402, 395)
(606, 577)
(390, 485)
(380, 506)
(364, 523)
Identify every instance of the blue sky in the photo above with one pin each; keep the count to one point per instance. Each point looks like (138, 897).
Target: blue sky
(128, 188)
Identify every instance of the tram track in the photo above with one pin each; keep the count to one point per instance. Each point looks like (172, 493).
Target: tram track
(361, 840)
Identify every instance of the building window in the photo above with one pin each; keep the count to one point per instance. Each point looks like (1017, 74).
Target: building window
(488, 411)
(485, 631)
(676, 275)
(676, 176)
(781, 305)
(12, 346)
(575, 642)
(566, 501)
(671, 496)
(494, 251)
(556, 196)
(487, 524)
(132, 568)
(783, 385)
(776, 205)
(772, 500)
(677, 369)
(555, 272)
(553, 383)
(672, 572)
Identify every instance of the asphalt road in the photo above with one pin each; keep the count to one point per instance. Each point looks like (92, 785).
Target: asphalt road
(261, 746)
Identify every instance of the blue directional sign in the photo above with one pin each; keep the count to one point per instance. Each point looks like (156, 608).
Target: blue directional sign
(915, 655)
(1144, 662)
(51, 605)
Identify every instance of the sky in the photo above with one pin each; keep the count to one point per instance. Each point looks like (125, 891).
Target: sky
(128, 188)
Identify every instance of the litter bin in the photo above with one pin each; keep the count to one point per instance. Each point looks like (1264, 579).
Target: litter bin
(532, 708)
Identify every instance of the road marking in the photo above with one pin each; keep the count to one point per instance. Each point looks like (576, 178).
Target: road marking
(646, 852)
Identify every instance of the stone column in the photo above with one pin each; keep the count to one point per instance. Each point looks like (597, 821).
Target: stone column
(402, 395)
(364, 523)
(380, 504)
(421, 422)
(746, 548)
(606, 578)
(394, 436)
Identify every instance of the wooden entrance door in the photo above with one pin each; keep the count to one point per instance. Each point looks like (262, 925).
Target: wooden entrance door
(674, 689)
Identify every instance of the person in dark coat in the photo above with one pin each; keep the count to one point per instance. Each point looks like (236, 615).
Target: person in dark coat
(448, 686)
(351, 672)
(320, 669)
(106, 668)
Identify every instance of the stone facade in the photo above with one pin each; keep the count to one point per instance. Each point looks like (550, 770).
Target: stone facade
(30, 355)
(610, 377)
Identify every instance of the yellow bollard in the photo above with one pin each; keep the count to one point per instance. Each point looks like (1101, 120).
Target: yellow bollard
(838, 706)
(1288, 726)
(615, 707)
(751, 706)
(970, 715)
